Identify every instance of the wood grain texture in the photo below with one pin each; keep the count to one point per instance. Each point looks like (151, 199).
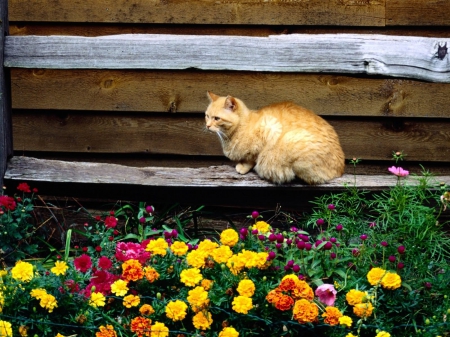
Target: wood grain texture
(185, 91)
(312, 12)
(400, 56)
(418, 12)
(424, 140)
(92, 30)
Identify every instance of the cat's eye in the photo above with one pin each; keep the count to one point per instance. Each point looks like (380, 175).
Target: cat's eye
(217, 118)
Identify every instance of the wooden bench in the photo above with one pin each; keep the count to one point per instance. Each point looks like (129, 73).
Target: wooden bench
(383, 92)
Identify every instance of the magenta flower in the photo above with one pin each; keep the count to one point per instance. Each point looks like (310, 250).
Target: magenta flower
(326, 294)
(398, 171)
(83, 263)
(131, 250)
(110, 222)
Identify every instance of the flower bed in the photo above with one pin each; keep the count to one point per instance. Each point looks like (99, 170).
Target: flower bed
(359, 265)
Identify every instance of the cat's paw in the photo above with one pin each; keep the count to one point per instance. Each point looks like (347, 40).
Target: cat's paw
(243, 168)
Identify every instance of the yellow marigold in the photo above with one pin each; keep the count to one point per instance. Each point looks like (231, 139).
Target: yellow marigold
(229, 332)
(60, 268)
(305, 311)
(391, 281)
(260, 260)
(97, 300)
(350, 335)
(246, 288)
(38, 293)
(22, 271)
(229, 237)
(202, 320)
(383, 334)
(198, 299)
(157, 247)
(196, 258)
(375, 275)
(48, 302)
(57, 335)
(236, 263)
(262, 227)
(141, 326)
(159, 330)
(206, 284)
(106, 331)
(191, 277)
(332, 315)
(179, 248)
(363, 309)
(242, 304)
(354, 296)
(345, 321)
(207, 246)
(131, 301)
(222, 254)
(132, 270)
(146, 310)
(151, 274)
(5, 329)
(119, 287)
(176, 310)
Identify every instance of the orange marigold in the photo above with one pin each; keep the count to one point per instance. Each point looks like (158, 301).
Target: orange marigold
(284, 302)
(305, 311)
(332, 315)
(141, 326)
(303, 290)
(287, 284)
(132, 270)
(151, 274)
(363, 309)
(354, 296)
(273, 295)
(146, 310)
(106, 331)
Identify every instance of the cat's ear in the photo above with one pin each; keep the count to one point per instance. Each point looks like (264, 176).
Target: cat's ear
(212, 97)
(230, 103)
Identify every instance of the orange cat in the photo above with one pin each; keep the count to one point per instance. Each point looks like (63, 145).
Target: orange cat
(280, 141)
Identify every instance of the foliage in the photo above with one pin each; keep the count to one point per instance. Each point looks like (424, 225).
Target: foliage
(361, 264)
(16, 225)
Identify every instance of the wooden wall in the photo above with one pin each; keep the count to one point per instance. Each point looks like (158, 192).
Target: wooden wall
(155, 118)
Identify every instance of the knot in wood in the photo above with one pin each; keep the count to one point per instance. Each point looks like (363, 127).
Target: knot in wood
(442, 51)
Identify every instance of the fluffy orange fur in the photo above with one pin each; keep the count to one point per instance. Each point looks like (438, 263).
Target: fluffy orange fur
(280, 141)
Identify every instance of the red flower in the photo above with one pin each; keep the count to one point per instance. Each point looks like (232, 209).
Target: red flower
(7, 202)
(83, 263)
(98, 249)
(24, 187)
(104, 263)
(110, 222)
(35, 190)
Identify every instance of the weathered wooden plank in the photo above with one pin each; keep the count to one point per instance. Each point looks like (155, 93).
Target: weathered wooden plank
(184, 91)
(418, 12)
(33, 169)
(424, 140)
(258, 12)
(414, 57)
(5, 101)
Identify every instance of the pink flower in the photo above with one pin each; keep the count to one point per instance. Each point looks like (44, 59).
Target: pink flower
(130, 250)
(398, 171)
(83, 263)
(326, 294)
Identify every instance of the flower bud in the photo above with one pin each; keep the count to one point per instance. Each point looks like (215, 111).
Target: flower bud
(255, 214)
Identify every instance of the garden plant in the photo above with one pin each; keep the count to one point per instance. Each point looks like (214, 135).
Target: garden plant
(360, 264)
